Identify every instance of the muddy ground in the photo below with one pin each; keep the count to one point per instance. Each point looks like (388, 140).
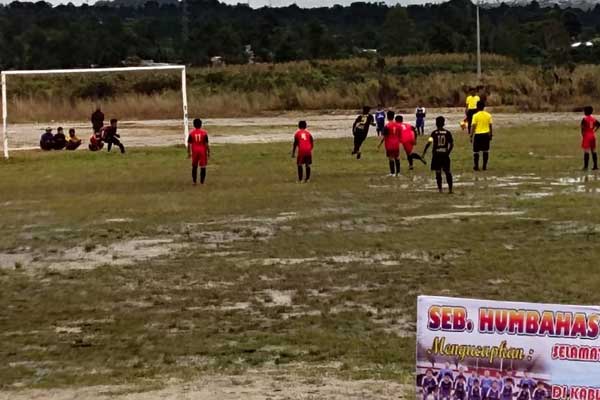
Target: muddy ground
(137, 285)
(261, 129)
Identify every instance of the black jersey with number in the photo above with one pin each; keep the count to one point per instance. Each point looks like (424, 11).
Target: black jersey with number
(442, 141)
(362, 123)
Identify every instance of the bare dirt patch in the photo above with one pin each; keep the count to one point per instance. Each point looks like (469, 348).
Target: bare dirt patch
(465, 214)
(122, 253)
(260, 129)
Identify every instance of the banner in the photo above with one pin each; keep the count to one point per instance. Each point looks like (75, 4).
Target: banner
(479, 349)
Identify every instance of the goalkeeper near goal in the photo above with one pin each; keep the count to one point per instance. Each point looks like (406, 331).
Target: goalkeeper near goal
(110, 136)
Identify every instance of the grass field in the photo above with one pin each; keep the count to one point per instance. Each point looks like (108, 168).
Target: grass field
(117, 271)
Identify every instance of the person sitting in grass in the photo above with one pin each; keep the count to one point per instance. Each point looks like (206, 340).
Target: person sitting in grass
(96, 142)
(73, 142)
(47, 140)
(60, 141)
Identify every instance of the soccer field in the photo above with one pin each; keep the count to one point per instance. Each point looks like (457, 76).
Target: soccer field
(119, 278)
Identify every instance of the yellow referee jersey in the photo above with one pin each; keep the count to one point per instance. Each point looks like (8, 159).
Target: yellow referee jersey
(482, 121)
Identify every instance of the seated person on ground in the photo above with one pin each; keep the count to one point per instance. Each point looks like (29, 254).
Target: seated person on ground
(73, 142)
(96, 142)
(59, 139)
(47, 140)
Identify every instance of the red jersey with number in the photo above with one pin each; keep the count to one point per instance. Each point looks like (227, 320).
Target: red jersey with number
(198, 139)
(589, 125)
(392, 135)
(304, 141)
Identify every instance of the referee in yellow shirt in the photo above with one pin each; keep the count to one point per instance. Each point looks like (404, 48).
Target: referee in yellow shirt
(471, 109)
(481, 135)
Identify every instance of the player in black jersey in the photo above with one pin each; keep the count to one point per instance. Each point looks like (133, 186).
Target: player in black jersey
(446, 387)
(460, 388)
(443, 143)
(428, 383)
(540, 392)
(493, 393)
(475, 392)
(524, 394)
(508, 391)
(360, 129)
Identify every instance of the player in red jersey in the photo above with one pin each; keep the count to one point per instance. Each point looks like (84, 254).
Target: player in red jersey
(409, 140)
(304, 141)
(392, 138)
(198, 151)
(96, 142)
(589, 126)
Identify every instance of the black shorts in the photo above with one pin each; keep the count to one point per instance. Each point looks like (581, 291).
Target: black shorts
(470, 114)
(440, 161)
(304, 159)
(481, 142)
(359, 137)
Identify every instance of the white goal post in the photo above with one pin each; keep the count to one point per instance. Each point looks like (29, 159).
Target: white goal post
(5, 74)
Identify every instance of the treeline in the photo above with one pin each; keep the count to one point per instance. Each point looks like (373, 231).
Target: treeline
(37, 35)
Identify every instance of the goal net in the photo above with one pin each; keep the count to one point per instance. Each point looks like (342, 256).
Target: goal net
(5, 82)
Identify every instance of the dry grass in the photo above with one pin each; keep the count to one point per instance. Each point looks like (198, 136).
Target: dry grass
(433, 80)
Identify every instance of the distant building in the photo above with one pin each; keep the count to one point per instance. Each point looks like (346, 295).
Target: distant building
(217, 61)
(138, 62)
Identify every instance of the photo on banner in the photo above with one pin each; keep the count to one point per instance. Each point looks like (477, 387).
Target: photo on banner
(482, 349)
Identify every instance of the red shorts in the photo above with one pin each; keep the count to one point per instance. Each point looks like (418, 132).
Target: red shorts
(393, 152)
(304, 158)
(200, 158)
(408, 147)
(588, 142)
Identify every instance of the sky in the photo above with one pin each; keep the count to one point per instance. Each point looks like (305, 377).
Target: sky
(274, 3)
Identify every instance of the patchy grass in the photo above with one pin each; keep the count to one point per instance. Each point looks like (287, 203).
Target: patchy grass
(263, 273)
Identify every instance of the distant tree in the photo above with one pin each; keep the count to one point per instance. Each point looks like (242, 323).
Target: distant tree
(398, 32)
(572, 23)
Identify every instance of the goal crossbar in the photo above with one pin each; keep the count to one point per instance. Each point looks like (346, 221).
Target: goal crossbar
(5, 74)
